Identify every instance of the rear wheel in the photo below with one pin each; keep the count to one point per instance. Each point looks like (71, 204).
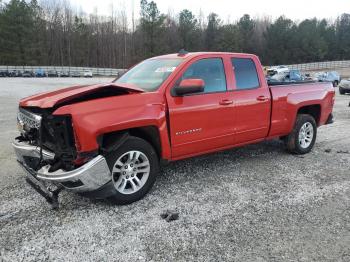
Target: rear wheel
(134, 167)
(303, 136)
(341, 91)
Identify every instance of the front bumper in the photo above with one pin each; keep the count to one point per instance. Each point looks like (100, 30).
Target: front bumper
(86, 178)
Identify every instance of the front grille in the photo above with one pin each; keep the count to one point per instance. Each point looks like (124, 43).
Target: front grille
(52, 132)
(28, 119)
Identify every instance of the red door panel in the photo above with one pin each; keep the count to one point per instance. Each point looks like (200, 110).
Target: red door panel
(204, 121)
(200, 123)
(252, 100)
(252, 114)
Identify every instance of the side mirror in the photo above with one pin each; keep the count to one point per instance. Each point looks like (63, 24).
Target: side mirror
(189, 86)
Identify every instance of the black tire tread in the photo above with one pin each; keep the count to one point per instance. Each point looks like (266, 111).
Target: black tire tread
(134, 143)
(292, 139)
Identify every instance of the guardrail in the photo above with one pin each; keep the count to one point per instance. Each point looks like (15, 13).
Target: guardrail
(321, 65)
(95, 70)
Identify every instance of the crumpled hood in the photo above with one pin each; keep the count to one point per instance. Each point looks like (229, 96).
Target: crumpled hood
(70, 94)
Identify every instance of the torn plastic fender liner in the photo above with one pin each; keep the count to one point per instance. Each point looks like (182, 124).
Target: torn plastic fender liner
(112, 142)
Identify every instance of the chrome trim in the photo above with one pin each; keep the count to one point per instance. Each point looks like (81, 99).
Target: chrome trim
(29, 119)
(93, 175)
(23, 148)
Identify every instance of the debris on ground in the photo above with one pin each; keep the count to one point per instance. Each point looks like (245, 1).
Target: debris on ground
(343, 152)
(328, 150)
(7, 216)
(170, 215)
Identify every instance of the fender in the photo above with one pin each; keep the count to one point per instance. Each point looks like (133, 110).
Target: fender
(94, 118)
(287, 102)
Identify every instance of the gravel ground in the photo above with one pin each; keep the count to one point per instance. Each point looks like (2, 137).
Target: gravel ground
(256, 203)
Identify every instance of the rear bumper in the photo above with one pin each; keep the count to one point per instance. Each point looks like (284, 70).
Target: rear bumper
(86, 178)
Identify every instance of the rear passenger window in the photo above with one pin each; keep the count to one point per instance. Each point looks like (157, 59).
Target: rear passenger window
(245, 73)
(211, 70)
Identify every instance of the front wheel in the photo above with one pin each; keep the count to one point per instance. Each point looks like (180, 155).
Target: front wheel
(341, 91)
(134, 167)
(303, 136)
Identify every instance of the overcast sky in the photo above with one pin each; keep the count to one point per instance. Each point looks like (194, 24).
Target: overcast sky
(229, 9)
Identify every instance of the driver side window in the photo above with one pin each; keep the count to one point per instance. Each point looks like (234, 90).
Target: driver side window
(211, 71)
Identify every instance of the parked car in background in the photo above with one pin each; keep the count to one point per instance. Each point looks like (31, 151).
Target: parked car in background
(52, 73)
(15, 73)
(332, 76)
(286, 76)
(64, 74)
(308, 77)
(276, 70)
(344, 86)
(87, 73)
(4, 73)
(75, 74)
(40, 73)
(28, 73)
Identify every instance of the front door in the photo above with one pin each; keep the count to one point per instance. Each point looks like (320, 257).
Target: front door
(202, 122)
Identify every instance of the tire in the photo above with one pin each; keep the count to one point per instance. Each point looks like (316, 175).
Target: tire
(130, 185)
(335, 83)
(294, 141)
(341, 91)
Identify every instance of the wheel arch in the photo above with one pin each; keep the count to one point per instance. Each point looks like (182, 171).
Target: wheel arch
(313, 110)
(112, 140)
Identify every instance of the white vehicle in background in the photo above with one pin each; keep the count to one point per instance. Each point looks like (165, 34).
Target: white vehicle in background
(344, 86)
(273, 70)
(332, 76)
(87, 73)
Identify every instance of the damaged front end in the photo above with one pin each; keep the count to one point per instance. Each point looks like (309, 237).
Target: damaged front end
(47, 150)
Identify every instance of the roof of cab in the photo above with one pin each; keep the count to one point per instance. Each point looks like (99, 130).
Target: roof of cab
(193, 54)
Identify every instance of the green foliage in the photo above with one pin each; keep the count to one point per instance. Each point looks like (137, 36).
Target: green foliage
(310, 44)
(188, 29)
(246, 27)
(280, 40)
(57, 35)
(151, 23)
(343, 35)
(230, 39)
(18, 22)
(212, 32)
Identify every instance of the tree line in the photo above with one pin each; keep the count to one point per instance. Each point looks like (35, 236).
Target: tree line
(52, 33)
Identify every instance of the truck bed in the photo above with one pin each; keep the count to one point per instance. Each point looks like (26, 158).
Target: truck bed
(287, 99)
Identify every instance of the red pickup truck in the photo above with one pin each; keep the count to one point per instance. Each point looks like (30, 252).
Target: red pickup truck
(108, 140)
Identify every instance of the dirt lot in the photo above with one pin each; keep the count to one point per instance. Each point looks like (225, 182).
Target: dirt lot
(256, 203)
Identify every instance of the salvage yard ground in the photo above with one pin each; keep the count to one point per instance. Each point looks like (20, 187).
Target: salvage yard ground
(256, 203)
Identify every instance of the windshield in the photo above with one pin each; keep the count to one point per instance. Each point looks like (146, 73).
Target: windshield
(149, 74)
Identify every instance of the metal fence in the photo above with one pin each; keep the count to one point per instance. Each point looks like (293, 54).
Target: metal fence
(95, 70)
(115, 72)
(321, 65)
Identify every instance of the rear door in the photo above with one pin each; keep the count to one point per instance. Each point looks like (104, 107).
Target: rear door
(252, 100)
(202, 122)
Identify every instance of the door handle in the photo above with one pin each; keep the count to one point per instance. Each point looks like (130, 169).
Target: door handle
(225, 102)
(262, 98)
